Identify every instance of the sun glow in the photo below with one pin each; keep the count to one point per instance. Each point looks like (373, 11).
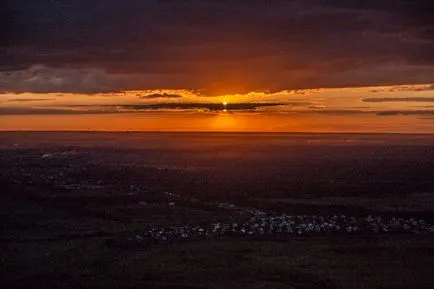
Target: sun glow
(224, 122)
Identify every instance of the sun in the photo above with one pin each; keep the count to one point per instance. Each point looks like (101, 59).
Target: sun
(225, 104)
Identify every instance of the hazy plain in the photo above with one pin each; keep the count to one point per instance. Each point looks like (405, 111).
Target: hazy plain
(63, 195)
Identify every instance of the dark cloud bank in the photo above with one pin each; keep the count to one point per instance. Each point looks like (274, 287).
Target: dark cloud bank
(190, 106)
(128, 108)
(218, 46)
(207, 106)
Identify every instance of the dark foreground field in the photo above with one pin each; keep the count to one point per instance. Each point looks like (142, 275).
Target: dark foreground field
(70, 203)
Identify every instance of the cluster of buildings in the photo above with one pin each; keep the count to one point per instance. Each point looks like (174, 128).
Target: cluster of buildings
(285, 225)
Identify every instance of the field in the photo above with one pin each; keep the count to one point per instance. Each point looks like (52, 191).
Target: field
(70, 203)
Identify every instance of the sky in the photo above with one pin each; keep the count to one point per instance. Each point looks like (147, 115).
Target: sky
(167, 65)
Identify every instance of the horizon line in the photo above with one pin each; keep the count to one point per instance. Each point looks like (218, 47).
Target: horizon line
(217, 132)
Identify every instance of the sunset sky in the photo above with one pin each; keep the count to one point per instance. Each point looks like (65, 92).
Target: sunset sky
(294, 65)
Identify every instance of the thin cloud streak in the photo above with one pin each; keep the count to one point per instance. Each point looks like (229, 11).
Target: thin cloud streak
(160, 95)
(48, 111)
(400, 99)
(406, 112)
(29, 99)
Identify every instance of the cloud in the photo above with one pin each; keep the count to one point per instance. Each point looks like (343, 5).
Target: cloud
(400, 99)
(413, 88)
(133, 108)
(405, 112)
(29, 99)
(219, 46)
(317, 107)
(160, 95)
(42, 79)
(46, 111)
(196, 106)
(368, 112)
(409, 88)
(335, 111)
(209, 107)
